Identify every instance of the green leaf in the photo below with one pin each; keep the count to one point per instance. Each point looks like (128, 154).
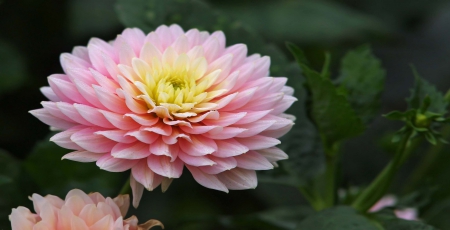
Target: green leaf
(362, 78)
(302, 143)
(399, 224)
(276, 218)
(306, 21)
(337, 218)
(298, 53)
(423, 89)
(57, 177)
(285, 217)
(389, 221)
(12, 68)
(330, 111)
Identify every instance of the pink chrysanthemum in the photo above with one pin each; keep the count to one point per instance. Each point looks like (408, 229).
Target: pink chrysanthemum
(78, 211)
(158, 102)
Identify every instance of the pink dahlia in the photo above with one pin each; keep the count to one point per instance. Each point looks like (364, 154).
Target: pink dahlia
(158, 102)
(77, 212)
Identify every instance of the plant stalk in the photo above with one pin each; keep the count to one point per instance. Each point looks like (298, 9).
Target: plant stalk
(126, 189)
(382, 182)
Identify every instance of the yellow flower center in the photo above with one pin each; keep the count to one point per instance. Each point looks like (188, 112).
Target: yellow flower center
(176, 82)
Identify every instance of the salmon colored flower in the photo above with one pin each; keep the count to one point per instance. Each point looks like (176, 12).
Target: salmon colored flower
(78, 211)
(156, 103)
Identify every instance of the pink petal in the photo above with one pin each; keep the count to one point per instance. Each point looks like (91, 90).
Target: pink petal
(212, 49)
(126, 52)
(69, 110)
(264, 103)
(284, 104)
(226, 133)
(223, 63)
(89, 94)
(193, 36)
(117, 135)
(81, 52)
(49, 119)
(135, 37)
(181, 44)
(222, 164)
(273, 154)
(69, 61)
(255, 127)
(54, 110)
(136, 150)
(80, 74)
(63, 138)
(195, 160)
(239, 52)
(253, 160)
(229, 148)
(212, 115)
(176, 30)
(105, 223)
(144, 136)
(87, 139)
(78, 224)
(111, 101)
(142, 174)
(198, 129)
(82, 156)
(253, 116)
(109, 163)
(173, 138)
(93, 115)
(261, 68)
(242, 98)
(258, 142)
(120, 121)
(200, 146)
(164, 167)
(53, 81)
(238, 179)
(143, 119)
(165, 36)
(160, 128)
(19, 220)
(160, 148)
(207, 180)
(48, 93)
(137, 189)
(225, 119)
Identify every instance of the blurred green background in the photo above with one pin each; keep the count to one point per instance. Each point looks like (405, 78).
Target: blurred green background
(34, 33)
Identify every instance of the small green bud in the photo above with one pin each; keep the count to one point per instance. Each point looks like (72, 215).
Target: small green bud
(422, 121)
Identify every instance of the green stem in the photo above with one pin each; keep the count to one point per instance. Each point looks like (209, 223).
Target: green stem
(332, 158)
(380, 185)
(126, 189)
(314, 200)
(330, 180)
(430, 158)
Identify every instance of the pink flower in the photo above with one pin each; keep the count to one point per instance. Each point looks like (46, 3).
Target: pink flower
(158, 102)
(389, 201)
(78, 211)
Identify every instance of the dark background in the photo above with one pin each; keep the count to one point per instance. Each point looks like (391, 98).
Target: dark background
(34, 33)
